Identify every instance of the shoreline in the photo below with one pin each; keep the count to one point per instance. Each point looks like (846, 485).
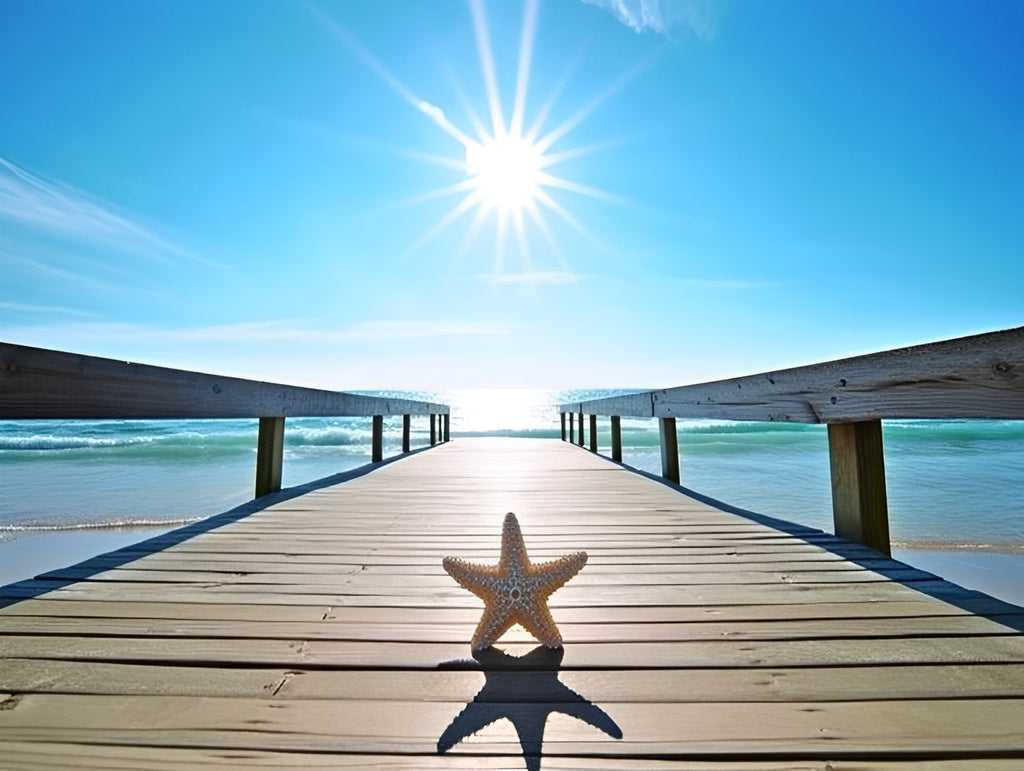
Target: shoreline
(996, 573)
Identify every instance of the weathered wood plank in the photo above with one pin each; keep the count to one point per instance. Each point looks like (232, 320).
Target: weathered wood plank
(981, 376)
(859, 506)
(269, 456)
(666, 729)
(40, 383)
(31, 755)
(603, 686)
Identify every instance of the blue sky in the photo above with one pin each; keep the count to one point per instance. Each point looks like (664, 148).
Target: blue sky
(280, 190)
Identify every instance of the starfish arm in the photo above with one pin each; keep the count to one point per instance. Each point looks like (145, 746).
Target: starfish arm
(493, 624)
(537, 621)
(513, 547)
(556, 573)
(469, 575)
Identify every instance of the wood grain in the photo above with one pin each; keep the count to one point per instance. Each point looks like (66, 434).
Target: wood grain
(322, 631)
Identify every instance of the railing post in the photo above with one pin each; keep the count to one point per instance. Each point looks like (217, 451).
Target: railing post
(859, 506)
(377, 439)
(433, 429)
(269, 455)
(593, 433)
(617, 438)
(669, 449)
(562, 415)
(447, 423)
(580, 437)
(572, 428)
(406, 432)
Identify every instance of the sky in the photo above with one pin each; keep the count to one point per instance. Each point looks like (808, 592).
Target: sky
(555, 194)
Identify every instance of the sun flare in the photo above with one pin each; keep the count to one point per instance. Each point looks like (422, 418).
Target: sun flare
(505, 172)
(507, 166)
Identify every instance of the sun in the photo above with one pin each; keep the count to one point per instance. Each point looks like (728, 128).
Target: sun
(505, 172)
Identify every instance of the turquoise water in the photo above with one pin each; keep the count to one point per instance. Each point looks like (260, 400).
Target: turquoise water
(951, 484)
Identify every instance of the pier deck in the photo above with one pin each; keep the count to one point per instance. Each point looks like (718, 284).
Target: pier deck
(321, 630)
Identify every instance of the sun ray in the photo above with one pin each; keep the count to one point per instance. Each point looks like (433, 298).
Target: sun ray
(542, 225)
(483, 47)
(557, 208)
(584, 112)
(506, 168)
(524, 247)
(549, 180)
(523, 73)
(456, 212)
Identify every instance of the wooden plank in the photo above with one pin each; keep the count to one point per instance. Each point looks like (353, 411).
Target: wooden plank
(859, 506)
(389, 654)
(669, 449)
(979, 376)
(377, 439)
(604, 686)
(29, 755)
(269, 456)
(40, 383)
(616, 422)
(807, 729)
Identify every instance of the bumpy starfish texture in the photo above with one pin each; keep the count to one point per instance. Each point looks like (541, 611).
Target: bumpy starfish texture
(515, 591)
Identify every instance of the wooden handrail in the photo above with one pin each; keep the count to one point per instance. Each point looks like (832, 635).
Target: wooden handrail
(980, 376)
(37, 383)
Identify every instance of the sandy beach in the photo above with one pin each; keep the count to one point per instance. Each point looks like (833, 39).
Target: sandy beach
(998, 574)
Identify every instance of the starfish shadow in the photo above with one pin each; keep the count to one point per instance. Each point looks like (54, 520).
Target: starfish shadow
(524, 690)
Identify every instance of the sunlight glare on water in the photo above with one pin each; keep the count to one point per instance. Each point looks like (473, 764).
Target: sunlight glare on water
(482, 410)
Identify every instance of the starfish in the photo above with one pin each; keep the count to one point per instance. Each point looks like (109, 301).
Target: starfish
(515, 591)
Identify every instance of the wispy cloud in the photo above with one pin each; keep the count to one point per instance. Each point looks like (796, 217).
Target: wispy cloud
(52, 209)
(543, 277)
(663, 17)
(262, 332)
(47, 309)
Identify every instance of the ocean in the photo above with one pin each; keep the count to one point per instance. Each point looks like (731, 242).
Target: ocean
(954, 486)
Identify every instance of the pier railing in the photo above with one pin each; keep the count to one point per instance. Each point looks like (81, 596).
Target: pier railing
(981, 376)
(37, 383)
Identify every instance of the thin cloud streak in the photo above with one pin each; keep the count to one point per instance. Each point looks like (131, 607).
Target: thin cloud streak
(52, 208)
(662, 16)
(266, 332)
(26, 308)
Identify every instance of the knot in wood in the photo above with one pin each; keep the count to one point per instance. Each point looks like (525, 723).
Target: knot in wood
(1001, 368)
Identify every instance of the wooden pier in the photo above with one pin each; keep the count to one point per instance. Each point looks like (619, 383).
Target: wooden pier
(319, 630)
(316, 627)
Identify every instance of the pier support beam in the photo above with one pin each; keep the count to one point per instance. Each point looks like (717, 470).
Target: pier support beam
(572, 428)
(580, 437)
(406, 432)
(859, 506)
(447, 424)
(377, 439)
(433, 429)
(562, 415)
(669, 449)
(269, 456)
(593, 433)
(616, 439)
